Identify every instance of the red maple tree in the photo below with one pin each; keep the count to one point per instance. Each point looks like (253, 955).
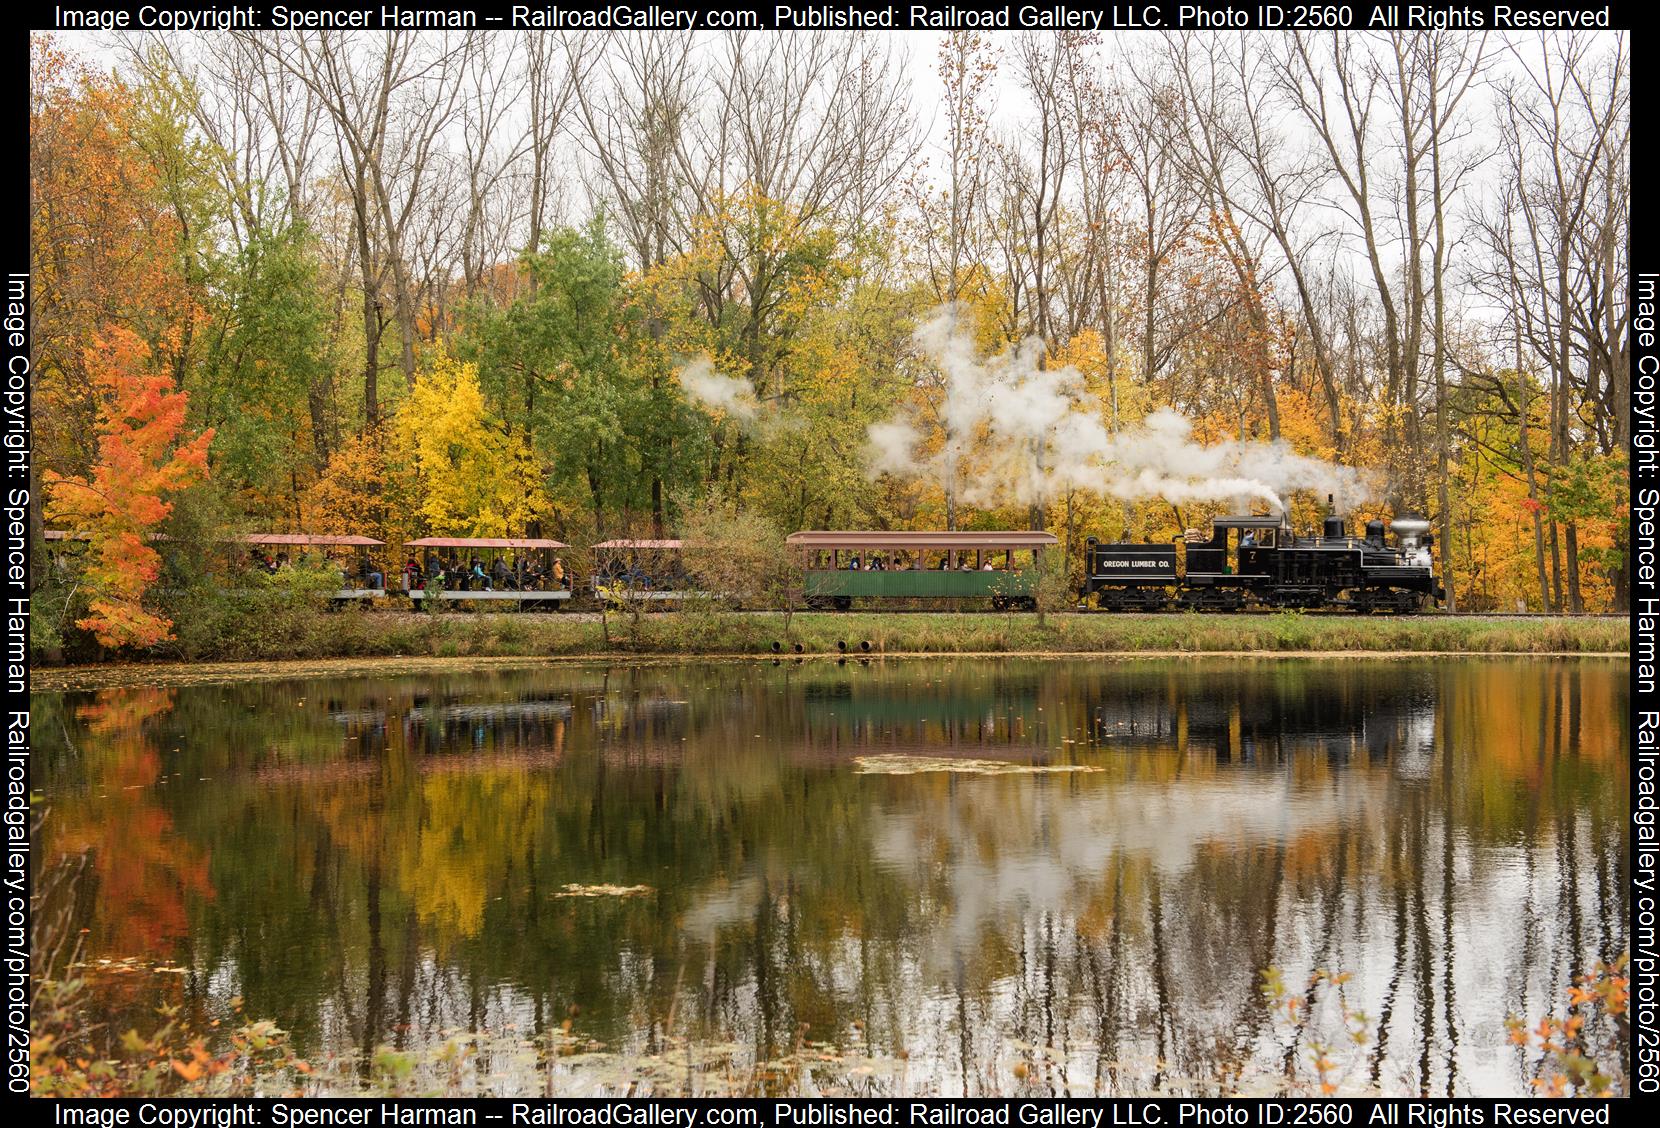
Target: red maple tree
(140, 459)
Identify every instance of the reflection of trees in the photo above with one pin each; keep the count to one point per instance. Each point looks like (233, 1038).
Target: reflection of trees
(144, 873)
(386, 856)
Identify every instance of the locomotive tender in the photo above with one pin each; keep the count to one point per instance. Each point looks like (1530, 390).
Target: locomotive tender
(1260, 562)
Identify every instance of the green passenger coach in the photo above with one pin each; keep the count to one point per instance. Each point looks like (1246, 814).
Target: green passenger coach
(839, 567)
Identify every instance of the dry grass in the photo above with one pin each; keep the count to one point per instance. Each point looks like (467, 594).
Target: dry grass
(414, 642)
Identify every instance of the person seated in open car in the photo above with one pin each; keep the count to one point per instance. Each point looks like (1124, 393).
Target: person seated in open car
(500, 574)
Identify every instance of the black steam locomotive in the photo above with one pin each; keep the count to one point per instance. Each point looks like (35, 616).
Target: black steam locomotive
(1259, 562)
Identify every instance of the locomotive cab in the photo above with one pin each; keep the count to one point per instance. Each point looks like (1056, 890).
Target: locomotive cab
(1239, 547)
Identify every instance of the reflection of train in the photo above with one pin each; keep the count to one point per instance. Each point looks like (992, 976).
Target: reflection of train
(1261, 562)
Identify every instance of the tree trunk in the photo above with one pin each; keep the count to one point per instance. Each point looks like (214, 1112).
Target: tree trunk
(371, 326)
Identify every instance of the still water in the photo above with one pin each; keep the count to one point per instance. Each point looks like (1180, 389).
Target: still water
(954, 876)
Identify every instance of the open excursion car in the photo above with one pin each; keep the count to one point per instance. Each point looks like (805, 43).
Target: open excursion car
(530, 572)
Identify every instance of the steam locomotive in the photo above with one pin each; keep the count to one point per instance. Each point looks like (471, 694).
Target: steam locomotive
(1260, 562)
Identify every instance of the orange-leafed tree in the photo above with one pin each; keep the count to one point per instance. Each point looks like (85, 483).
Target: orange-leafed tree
(141, 458)
(103, 245)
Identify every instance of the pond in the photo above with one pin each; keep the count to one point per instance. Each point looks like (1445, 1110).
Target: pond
(946, 876)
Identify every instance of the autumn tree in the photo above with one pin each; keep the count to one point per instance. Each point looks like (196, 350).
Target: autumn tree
(141, 460)
(470, 478)
(102, 246)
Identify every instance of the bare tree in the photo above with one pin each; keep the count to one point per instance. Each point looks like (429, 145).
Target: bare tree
(1450, 64)
(1166, 205)
(389, 99)
(952, 227)
(1272, 183)
(1216, 166)
(1334, 82)
(821, 122)
(1561, 130)
(634, 116)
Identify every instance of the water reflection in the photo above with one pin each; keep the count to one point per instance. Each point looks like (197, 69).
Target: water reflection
(381, 862)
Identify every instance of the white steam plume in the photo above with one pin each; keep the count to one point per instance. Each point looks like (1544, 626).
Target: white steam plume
(1015, 432)
(731, 394)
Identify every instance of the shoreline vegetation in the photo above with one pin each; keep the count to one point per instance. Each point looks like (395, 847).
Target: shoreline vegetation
(410, 643)
(1572, 1051)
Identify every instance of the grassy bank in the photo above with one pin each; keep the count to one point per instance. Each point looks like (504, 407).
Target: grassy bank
(356, 634)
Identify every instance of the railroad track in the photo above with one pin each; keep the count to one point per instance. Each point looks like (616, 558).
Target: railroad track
(1329, 613)
(1332, 613)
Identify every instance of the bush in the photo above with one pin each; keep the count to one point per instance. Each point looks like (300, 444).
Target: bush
(70, 1059)
(740, 558)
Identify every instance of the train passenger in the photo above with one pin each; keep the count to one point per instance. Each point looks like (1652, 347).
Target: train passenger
(853, 564)
(500, 573)
(411, 574)
(988, 566)
(375, 577)
(1249, 540)
(479, 575)
(557, 573)
(876, 565)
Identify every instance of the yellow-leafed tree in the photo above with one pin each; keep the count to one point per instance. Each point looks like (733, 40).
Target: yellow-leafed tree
(469, 477)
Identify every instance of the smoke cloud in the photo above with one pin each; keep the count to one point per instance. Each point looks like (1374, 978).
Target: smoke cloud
(1015, 432)
(731, 394)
